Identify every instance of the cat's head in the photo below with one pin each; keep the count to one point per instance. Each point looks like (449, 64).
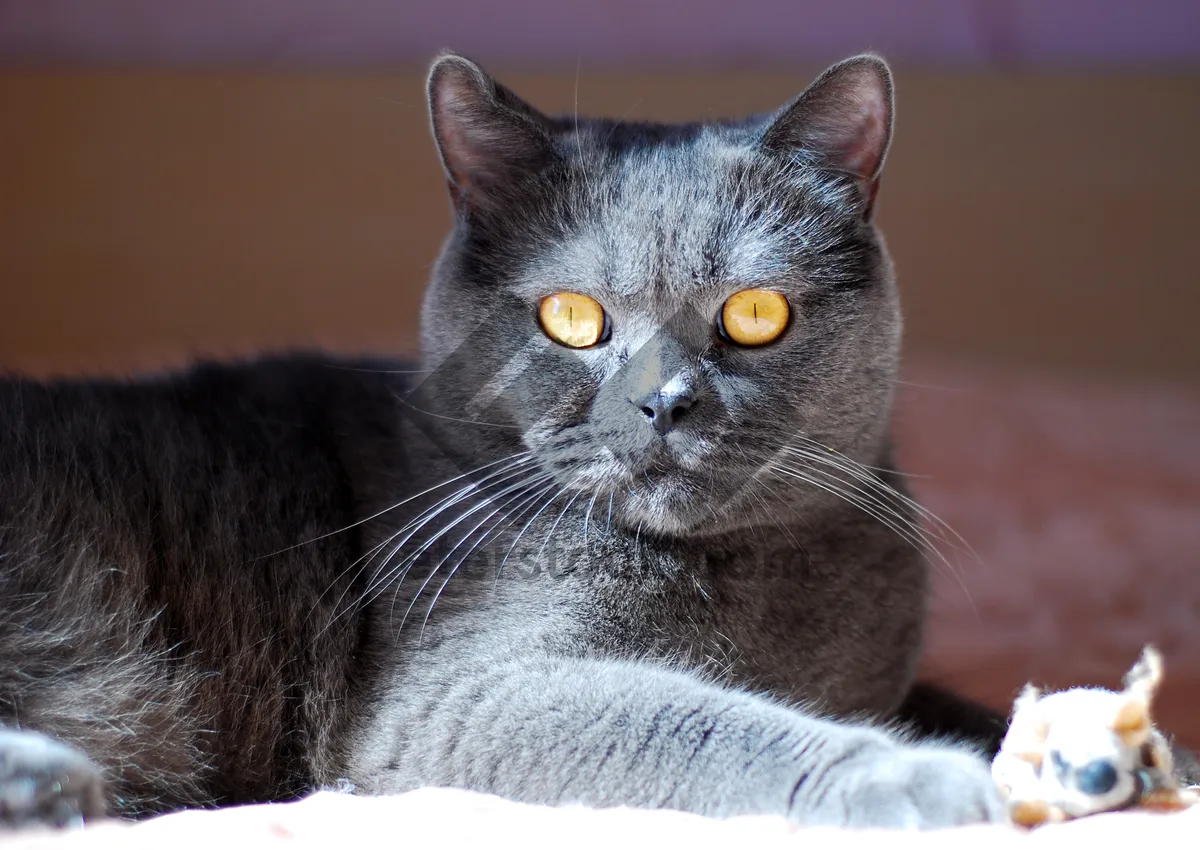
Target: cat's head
(654, 311)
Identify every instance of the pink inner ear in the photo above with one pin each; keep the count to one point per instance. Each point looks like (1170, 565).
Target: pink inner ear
(857, 119)
(461, 109)
(452, 119)
(459, 158)
(862, 155)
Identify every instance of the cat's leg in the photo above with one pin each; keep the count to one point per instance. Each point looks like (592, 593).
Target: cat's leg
(83, 696)
(604, 733)
(46, 783)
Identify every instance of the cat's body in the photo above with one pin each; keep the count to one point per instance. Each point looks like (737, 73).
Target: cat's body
(174, 632)
(613, 573)
(201, 643)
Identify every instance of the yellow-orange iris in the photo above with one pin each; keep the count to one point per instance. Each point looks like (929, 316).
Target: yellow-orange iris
(755, 316)
(572, 319)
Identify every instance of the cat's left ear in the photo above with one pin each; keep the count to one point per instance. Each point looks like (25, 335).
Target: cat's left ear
(844, 119)
(487, 136)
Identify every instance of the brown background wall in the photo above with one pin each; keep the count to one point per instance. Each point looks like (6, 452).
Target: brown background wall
(1041, 219)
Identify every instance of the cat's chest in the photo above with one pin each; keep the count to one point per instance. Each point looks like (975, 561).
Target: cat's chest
(811, 623)
(720, 610)
(821, 620)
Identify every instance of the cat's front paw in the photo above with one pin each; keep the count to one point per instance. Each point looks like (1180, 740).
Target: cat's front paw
(914, 788)
(45, 783)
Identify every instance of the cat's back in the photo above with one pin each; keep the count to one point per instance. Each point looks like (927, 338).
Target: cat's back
(247, 454)
(167, 560)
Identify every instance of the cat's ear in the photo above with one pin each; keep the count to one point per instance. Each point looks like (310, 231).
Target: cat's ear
(487, 136)
(844, 119)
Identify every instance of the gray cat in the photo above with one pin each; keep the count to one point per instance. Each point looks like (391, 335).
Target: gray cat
(628, 534)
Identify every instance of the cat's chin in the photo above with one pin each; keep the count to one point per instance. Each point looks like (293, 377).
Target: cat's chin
(662, 496)
(659, 523)
(668, 508)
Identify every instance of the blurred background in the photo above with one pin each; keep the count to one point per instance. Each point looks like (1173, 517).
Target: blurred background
(216, 177)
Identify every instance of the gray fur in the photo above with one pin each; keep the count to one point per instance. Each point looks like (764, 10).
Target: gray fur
(249, 580)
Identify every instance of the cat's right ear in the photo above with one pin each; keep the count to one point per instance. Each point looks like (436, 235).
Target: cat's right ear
(486, 135)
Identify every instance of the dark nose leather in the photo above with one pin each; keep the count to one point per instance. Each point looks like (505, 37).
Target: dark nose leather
(664, 409)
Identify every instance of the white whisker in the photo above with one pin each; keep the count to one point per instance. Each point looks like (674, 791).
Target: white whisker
(519, 489)
(554, 526)
(871, 504)
(508, 554)
(862, 473)
(588, 514)
(393, 507)
(389, 571)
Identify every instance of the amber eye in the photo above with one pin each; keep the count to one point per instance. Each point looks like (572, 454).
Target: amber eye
(572, 319)
(754, 316)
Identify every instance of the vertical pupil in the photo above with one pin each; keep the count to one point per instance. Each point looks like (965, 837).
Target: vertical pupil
(754, 304)
(570, 315)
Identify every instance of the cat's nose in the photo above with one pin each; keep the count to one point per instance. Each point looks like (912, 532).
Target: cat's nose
(665, 407)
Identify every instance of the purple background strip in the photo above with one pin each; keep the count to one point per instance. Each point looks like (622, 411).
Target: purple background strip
(602, 33)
